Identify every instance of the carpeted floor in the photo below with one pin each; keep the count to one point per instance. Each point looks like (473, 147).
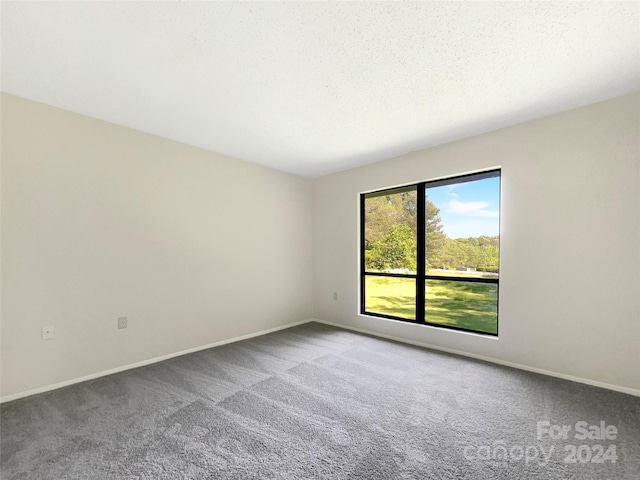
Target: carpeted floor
(316, 401)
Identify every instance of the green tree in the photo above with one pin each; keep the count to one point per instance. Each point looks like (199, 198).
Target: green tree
(383, 214)
(395, 250)
(436, 237)
(489, 261)
(383, 211)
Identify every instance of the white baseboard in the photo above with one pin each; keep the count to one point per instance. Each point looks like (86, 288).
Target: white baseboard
(47, 388)
(617, 388)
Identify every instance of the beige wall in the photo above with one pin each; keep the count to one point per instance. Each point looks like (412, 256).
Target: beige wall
(570, 242)
(101, 221)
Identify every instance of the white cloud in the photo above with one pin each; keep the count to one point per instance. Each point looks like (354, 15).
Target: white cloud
(473, 209)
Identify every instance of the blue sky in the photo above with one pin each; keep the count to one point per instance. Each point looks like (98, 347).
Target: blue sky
(468, 209)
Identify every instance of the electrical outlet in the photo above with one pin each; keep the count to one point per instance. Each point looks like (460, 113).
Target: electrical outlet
(122, 322)
(47, 332)
(335, 295)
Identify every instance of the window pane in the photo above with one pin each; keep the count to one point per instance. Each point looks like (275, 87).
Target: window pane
(463, 229)
(468, 305)
(456, 252)
(390, 232)
(394, 296)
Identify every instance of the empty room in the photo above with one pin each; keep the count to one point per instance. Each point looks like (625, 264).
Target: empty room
(320, 240)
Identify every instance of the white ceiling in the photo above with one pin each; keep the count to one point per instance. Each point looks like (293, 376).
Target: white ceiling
(317, 87)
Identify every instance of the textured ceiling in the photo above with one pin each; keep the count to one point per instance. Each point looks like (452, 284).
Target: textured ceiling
(317, 87)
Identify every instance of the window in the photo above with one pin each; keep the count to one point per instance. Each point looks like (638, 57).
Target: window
(430, 252)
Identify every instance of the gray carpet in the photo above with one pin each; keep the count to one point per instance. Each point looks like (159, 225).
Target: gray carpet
(315, 401)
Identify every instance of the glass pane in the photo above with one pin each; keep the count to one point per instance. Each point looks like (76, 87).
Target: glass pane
(394, 296)
(390, 233)
(463, 229)
(468, 305)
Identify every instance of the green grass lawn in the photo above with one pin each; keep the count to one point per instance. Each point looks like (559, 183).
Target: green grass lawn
(391, 296)
(458, 304)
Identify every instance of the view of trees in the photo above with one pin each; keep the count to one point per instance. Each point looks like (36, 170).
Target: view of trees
(390, 238)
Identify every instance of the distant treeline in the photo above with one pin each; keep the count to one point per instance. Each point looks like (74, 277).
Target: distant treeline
(480, 253)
